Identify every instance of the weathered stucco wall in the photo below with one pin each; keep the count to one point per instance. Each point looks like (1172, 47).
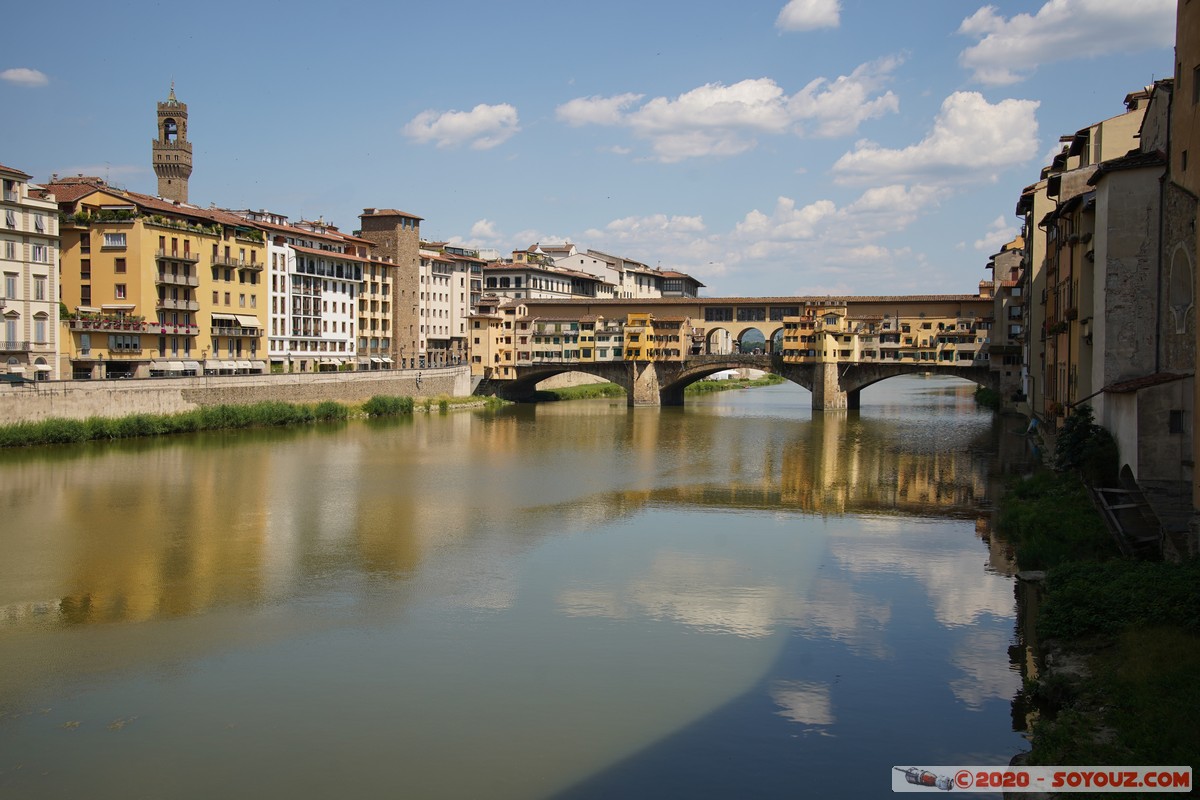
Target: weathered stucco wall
(83, 399)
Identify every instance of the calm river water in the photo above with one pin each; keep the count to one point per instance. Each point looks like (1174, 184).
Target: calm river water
(739, 598)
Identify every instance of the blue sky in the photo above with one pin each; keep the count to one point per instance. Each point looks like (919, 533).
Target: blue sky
(766, 147)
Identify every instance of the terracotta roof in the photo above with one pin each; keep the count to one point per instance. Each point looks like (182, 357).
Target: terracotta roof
(14, 171)
(68, 191)
(297, 231)
(1144, 382)
(330, 254)
(387, 212)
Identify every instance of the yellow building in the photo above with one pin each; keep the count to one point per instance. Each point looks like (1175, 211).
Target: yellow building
(157, 288)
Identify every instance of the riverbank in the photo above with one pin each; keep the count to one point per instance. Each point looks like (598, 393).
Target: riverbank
(592, 391)
(58, 430)
(1116, 641)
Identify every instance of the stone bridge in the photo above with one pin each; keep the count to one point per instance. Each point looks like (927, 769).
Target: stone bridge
(834, 386)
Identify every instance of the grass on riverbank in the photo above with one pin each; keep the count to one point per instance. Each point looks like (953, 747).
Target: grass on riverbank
(57, 430)
(1051, 520)
(1124, 636)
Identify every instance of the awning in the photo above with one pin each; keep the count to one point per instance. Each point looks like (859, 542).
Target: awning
(387, 360)
(192, 365)
(259, 365)
(118, 306)
(224, 317)
(246, 322)
(16, 370)
(174, 366)
(228, 365)
(243, 365)
(376, 359)
(42, 367)
(87, 309)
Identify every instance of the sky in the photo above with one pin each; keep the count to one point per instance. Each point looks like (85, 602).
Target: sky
(768, 147)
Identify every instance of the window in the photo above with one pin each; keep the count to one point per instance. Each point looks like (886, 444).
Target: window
(227, 298)
(39, 223)
(39, 329)
(242, 300)
(85, 242)
(114, 240)
(1196, 85)
(10, 218)
(119, 265)
(10, 285)
(39, 289)
(119, 291)
(39, 253)
(10, 251)
(216, 298)
(85, 295)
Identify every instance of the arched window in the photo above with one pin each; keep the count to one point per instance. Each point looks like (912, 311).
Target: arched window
(170, 130)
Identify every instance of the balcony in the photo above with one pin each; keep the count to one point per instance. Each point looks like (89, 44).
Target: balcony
(251, 266)
(236, 332)
(174, 279)
(101, 324)
(178, 305)
(191, 258)
(15, 347)
(171, 329)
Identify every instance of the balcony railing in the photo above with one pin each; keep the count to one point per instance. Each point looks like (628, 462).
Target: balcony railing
(171, 329)
(174, 255)
(223, 331)
(178, 305)
(105, 325)
(15, 347)
(175, 279)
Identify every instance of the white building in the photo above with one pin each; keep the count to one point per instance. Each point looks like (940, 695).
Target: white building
(444, 303)
(29, 294)
(316, 274)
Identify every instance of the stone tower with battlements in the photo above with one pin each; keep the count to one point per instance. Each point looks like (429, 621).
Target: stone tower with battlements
(172, 150)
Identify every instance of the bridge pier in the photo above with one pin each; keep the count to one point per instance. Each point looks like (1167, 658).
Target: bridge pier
(827, 394)
(645, 385)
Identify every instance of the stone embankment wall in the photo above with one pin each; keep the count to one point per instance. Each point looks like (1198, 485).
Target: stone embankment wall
(117, 398)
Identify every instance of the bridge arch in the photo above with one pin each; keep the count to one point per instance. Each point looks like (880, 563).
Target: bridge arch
(524, 387)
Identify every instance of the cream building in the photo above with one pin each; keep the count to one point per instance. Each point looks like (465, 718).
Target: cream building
(29, 294)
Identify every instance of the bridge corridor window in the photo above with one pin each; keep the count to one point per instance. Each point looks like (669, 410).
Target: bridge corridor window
(718, 314)
(751, 314)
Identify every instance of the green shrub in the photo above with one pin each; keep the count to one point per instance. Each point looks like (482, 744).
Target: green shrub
(1051, 519)
(328, 411)
(1133, 594)
(388, 406)
(988, 398)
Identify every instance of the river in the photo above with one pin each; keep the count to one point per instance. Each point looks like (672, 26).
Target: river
(738, 598)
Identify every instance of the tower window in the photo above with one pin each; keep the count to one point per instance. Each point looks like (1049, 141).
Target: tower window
(170, 130)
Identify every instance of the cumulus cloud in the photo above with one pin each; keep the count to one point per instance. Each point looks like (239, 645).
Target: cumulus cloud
(24, 76)
(840, 106)
(596, 110)
(1000, 233)
(1010, 50)
(484, 229)
(807, 15)
(971, 139)
(719, 120)
(483, 127)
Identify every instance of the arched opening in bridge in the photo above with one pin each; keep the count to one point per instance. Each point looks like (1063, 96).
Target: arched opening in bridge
(752, 342)
(923, 393)
(776, 341)
(719, 342)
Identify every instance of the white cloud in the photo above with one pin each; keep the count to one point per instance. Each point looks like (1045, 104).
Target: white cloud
(1000, 233)
(839, 107)
(1010, 50)
(23, 76)
(719, 120)
(807, 15)
(596, 110)
(483, 127)
(971, 139)
(787, 223)
(484, 229)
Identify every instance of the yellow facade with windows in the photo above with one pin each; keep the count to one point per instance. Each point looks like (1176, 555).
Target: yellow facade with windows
(152, 288)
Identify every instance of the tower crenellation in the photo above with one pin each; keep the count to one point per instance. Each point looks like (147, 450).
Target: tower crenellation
(172, 152)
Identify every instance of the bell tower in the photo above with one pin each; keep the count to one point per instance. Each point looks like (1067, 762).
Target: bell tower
(172, 151)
